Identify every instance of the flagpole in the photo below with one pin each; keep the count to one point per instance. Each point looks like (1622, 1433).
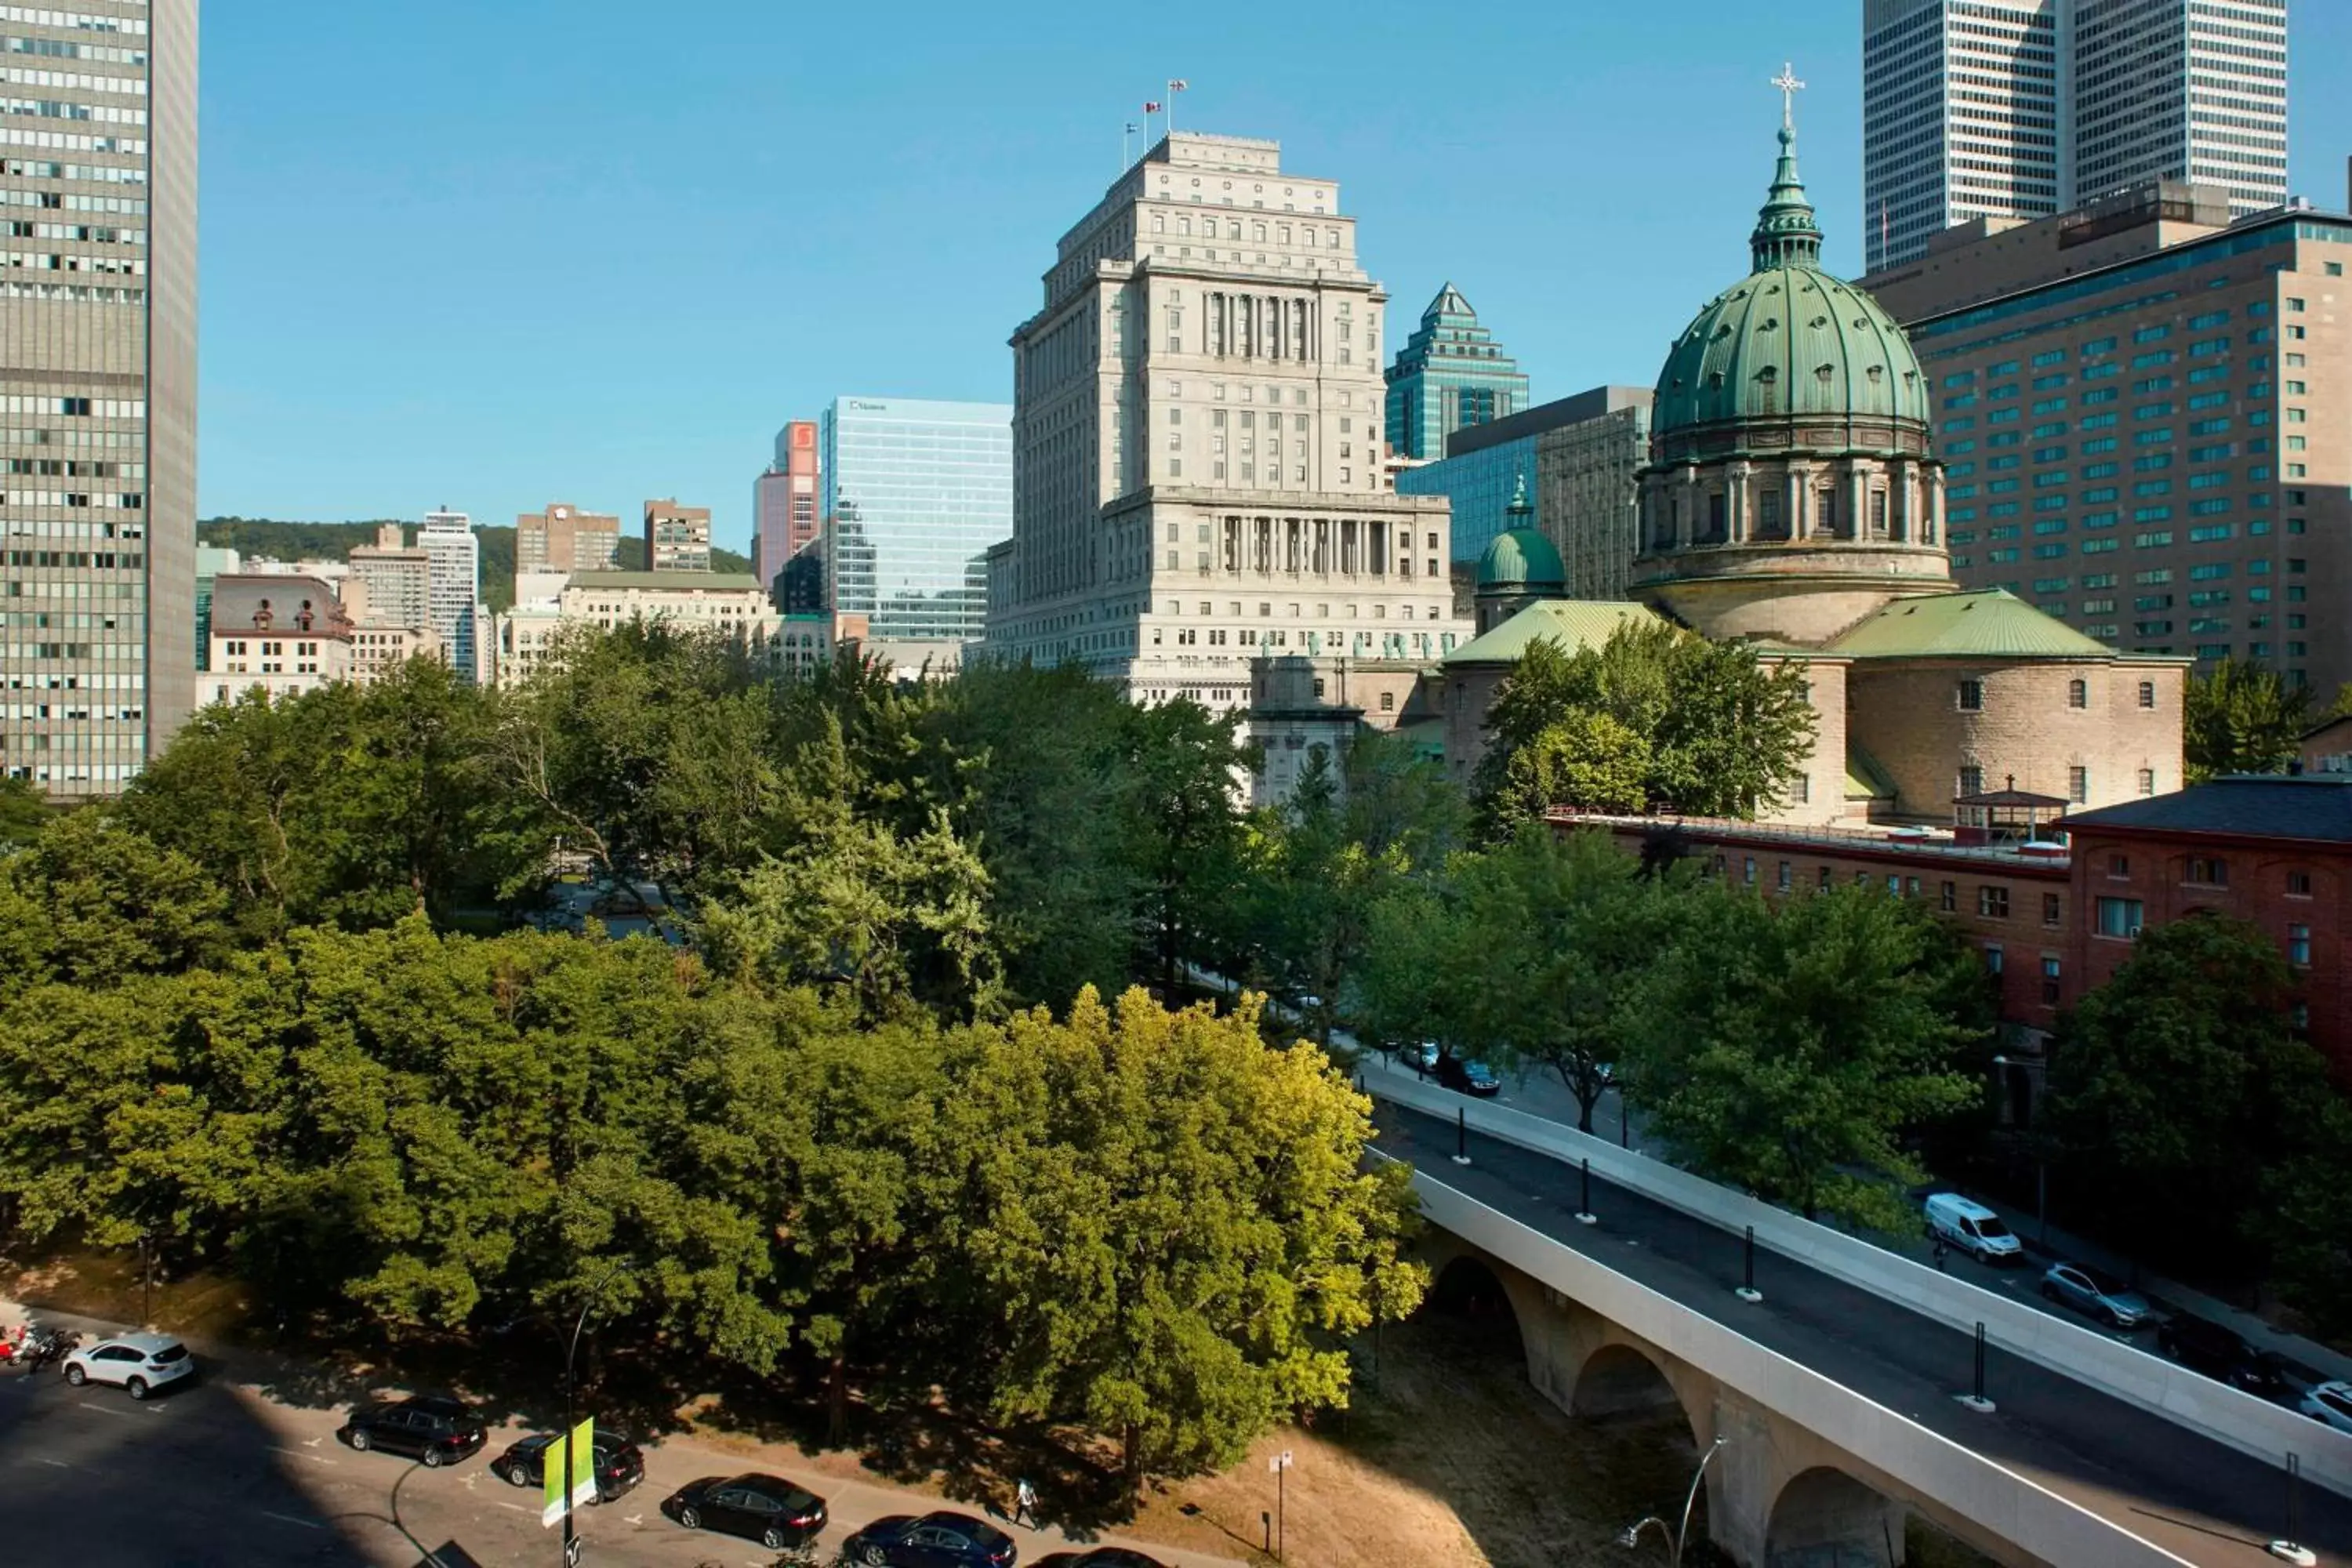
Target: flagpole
(1174, 87)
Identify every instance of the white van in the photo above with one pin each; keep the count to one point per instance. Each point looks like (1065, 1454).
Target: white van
(1972, 1228)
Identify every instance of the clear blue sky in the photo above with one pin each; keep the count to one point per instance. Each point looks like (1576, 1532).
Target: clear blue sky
(494, 255)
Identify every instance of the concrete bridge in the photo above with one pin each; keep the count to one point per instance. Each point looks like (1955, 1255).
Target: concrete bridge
(1839, 1398)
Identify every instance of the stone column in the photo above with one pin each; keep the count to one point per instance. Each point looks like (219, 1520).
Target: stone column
(1934, 507)
(1737, 527)
(1857, 490)
(1800, 498)
(1692, 525)
(1898, 499)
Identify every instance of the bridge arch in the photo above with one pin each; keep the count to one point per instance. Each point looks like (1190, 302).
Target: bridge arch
(1824, 1518)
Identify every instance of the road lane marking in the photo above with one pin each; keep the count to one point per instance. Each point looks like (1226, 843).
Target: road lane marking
(298, 1454)
(516, 1505)
(60, 1464)
(290, 1519)
(109, 1409)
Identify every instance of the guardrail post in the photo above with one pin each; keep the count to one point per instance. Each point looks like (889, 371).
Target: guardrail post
(2291, 1550)
(1976, 1401)
(1584, 1215)
(1461, 1136)
(1748, 1291)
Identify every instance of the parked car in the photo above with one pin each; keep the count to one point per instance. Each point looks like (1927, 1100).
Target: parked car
(137, 1364)
(2202, 1345)
(769, 1510)
(619, 1465)
(934, 1540)
(1468, 1077)
(1100, 1557)
(430, 1427)
(2096, 1295)
(2330, 1402)
(1425, 1055)
(1972, 1228)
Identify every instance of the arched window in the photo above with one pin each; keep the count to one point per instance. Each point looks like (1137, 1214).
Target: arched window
(2078, 694)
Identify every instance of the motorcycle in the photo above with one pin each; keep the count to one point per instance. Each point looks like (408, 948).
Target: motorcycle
(45, 1344)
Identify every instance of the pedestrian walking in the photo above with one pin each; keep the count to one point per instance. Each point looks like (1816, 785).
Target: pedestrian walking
(1939, 1255)
(1024, 1504)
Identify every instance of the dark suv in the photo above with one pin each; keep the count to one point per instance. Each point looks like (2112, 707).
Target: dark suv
(430, 1427)
(619, 1466)
(2203, 1346)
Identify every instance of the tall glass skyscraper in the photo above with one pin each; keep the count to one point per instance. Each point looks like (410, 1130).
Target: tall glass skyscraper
(915, 492)
(1449, 376)
(98, 388)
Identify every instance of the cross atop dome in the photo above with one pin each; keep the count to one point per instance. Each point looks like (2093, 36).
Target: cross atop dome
(1790, 87)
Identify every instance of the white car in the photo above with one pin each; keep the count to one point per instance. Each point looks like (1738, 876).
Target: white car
(1972, 1228)
(140, 1363)
(2331, 1403)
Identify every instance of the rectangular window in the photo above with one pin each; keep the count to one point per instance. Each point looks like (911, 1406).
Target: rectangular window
(1951, 897)
(2119, 866)
(2119, 916)
(2298, 945)
(2078, 786)
(2052, 908)
(2050, 978)
(2208, 871)
(1971, 696)
(2298, 884)
(1992, 902)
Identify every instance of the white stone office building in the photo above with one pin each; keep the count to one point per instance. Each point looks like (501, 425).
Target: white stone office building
(98, 387)
(2024, 108)
(1197, 441)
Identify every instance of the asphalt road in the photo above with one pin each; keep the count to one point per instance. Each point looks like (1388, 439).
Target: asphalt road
(221, 1473)
(2198, 1499)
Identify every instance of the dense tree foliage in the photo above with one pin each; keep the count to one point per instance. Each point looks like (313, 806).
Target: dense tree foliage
(2241, 718)
(1656, 718)
(2179, 1094)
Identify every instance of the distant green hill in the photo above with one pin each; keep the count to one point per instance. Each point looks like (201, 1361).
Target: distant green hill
(334, 542)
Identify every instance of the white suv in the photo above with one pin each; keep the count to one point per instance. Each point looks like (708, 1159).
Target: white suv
(2331, 1403)
(140, 1364)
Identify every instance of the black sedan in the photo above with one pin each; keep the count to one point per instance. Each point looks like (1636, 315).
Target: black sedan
(1100, 1557)
(619, 1466)
(1467, 1077)
(430, 1427)
(934, 1540)
(769, 1510)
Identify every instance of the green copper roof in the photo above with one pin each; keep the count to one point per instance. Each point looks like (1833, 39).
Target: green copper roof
(1790, 339)
(679, 582)
(1991, 623)
(1521, 557)
(1864, 779)
(1574, 623)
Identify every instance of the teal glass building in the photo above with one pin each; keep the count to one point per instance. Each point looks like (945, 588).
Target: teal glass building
(1450, 375)
(1481, 485)
(915, 492)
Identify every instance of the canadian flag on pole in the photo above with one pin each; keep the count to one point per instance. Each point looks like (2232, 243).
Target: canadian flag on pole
(1151, 108)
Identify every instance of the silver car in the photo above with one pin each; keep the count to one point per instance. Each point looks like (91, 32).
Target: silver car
(2096, 1296)
(2331, 1403)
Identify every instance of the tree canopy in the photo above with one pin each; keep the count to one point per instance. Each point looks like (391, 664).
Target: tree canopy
(2241, 718)
(1656, 718)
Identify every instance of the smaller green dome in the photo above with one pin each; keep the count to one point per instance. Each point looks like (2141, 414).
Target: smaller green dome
(1522, 559)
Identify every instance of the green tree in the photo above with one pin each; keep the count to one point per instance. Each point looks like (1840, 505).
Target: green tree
(1721, 731)
(23, 813)
(2302, 1221)
(1181, 831)
(1171, 1226)
(2175, 1086)
(2241, 718)
(96, 901)
(1586, 759)
(1563, 935)
(1787, 1048)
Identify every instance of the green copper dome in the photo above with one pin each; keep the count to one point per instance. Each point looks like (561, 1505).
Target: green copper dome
(1522, 559)
(1789, 340)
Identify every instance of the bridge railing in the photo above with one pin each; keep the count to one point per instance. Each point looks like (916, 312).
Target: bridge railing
(2226, 1415)
(1935, 1468)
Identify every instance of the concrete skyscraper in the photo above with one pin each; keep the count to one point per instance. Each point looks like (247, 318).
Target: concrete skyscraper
(1197, 441)
(454, 590)
(785, 502)
(2027, 108)
(98, 388)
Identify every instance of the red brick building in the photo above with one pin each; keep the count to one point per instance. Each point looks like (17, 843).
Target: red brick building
(2273, 850)
(2014, 904)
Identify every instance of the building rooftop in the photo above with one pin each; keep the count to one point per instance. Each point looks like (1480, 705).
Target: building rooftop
(1916, 846)
(669, 582)
(2312, 807)
(1592, 404)
(1574, 623)
(1989, 624)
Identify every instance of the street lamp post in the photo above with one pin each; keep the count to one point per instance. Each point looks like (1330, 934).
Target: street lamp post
(1679, 1536)
(570, 1415)
(2041, 1158)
